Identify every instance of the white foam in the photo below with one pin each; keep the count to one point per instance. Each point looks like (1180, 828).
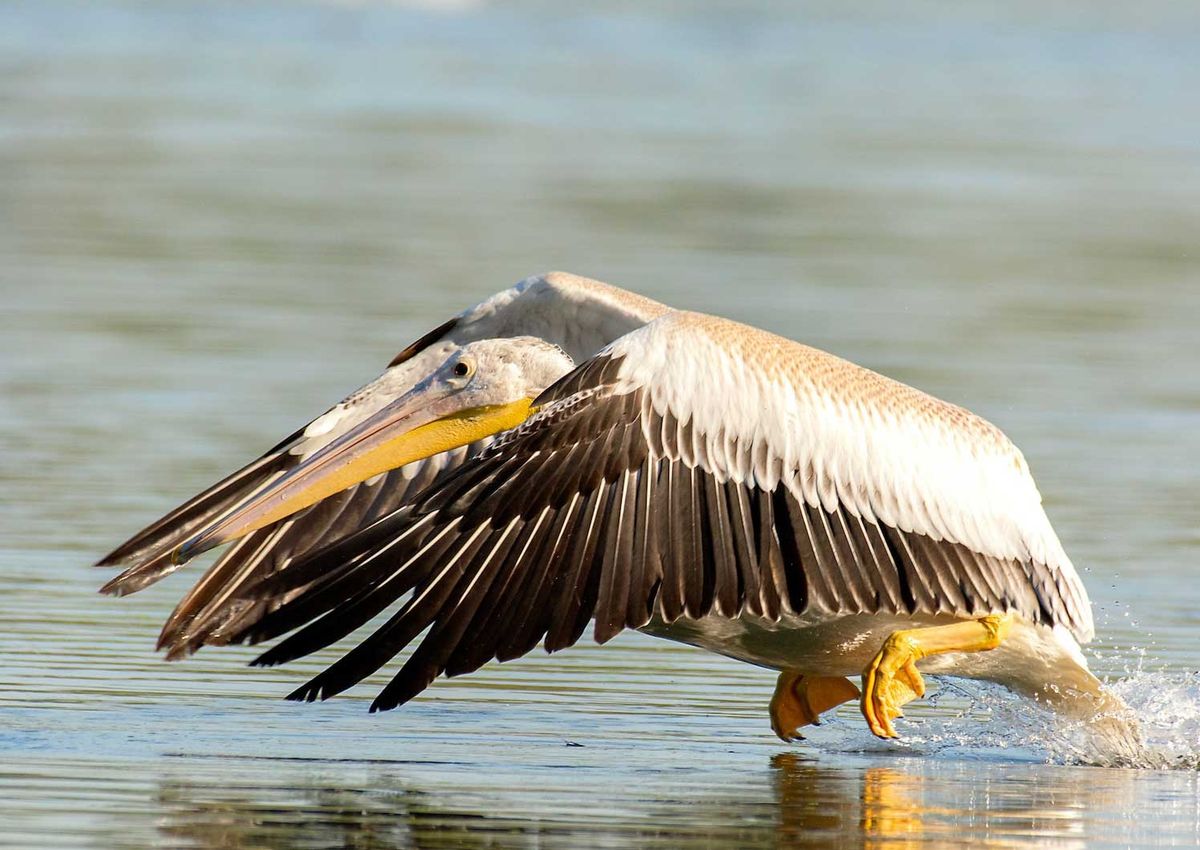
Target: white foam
(979, 721)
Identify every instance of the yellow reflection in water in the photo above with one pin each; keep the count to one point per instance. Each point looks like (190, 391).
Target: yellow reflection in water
(891, 812)
(800, 802)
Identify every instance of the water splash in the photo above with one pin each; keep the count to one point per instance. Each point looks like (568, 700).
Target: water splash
(977, 720)
(1168, 707)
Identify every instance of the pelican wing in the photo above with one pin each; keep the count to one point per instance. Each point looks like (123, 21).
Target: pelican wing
(149, 550)
(695, 468)
(215, 607)
(579, 314)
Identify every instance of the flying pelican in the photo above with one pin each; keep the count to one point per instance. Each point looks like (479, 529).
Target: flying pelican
(693, 478)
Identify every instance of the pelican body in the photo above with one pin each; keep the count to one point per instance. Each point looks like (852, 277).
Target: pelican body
(694, 478)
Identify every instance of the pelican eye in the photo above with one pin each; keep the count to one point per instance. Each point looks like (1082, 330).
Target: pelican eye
(462, 369)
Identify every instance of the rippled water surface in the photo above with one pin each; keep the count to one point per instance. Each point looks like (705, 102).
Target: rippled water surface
(216, 219)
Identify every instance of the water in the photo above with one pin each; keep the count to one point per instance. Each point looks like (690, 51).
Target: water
(216, 219)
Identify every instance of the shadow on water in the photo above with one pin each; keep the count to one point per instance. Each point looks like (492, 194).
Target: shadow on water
(796, 801)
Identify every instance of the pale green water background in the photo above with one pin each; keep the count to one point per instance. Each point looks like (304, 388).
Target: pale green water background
(215, 219)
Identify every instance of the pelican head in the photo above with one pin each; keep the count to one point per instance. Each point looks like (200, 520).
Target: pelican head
(484, 387)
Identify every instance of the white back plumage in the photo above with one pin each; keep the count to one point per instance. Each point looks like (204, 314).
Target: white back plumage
(770, 410)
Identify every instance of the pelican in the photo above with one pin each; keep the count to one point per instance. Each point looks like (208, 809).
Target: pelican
(692, 478)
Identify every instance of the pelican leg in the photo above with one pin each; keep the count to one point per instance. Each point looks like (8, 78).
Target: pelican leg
(799, 700)
(892, 679)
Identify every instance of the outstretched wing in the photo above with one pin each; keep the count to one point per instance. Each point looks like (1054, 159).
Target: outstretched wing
(575, 313)
(695, 468)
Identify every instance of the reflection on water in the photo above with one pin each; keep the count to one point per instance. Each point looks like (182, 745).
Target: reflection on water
(796, 801)
(215, 219)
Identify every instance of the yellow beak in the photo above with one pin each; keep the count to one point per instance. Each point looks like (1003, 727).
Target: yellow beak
(379, 444)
